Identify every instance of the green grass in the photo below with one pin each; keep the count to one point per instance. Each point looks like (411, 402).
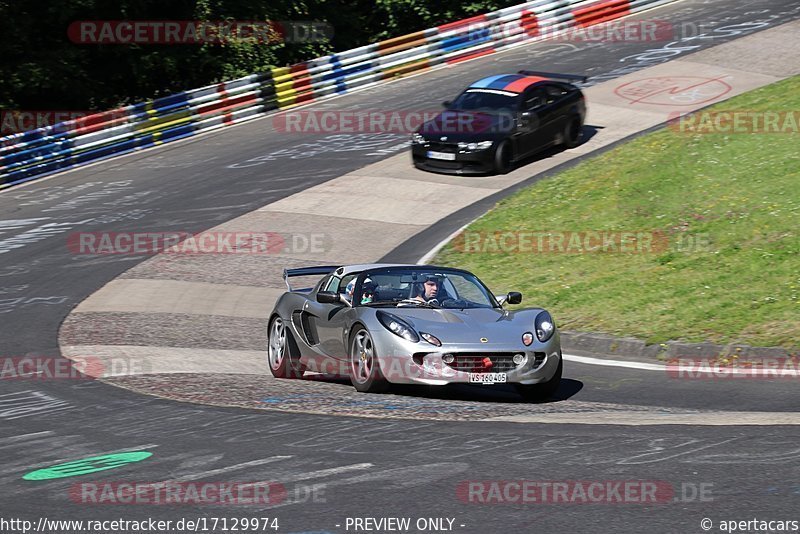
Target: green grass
(740, 191)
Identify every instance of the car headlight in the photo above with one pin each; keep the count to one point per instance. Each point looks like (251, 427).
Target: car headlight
(417, 139)
(482, 145)
(397, 326)
(544, 326)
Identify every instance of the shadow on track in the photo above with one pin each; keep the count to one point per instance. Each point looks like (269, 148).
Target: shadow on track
(496, 393)
(588, 132)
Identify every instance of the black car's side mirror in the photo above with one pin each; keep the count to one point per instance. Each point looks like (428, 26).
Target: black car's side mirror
(514, 297)
(526, 119)
(447, 104)
(328, 297)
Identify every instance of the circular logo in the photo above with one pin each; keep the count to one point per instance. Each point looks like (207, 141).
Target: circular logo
(674, 90)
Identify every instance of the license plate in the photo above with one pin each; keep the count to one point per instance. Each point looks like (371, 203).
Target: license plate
(441, 155)
(487, 378)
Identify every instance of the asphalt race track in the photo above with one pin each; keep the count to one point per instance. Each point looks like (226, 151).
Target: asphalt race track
(335, 467)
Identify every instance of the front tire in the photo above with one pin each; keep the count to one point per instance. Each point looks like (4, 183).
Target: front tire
(543, 391)
(283, 356)
(503, 156)
(365, 370)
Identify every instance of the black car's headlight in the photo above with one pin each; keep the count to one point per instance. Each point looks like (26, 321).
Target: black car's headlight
(417, 139)
(544, 326)
(482, 145)
(397, 326)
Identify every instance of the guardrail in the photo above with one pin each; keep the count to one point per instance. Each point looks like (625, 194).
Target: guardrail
(30, 155)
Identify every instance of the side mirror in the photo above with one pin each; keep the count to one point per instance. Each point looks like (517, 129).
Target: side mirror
(328, 297)
(514, 297)
(526, 119)
(447, 104)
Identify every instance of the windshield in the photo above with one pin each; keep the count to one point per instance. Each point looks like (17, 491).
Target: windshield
(399, 287)
(486, 100)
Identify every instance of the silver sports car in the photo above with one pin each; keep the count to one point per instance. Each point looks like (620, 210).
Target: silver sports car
(380, 324)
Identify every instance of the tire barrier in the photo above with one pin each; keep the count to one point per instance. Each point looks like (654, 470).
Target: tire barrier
(30, 155)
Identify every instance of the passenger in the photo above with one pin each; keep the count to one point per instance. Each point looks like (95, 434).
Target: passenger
(367, 290)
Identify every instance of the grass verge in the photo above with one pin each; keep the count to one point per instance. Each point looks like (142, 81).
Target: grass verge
(724, 212)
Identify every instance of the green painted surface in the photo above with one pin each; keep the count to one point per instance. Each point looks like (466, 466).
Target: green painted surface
(87, 465)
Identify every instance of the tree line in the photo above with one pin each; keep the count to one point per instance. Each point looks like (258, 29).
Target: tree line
(48, 65)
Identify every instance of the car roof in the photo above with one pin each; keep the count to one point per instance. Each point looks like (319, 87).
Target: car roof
(513, 83)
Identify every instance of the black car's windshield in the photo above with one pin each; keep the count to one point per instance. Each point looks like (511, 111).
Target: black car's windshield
(486, 100)
(424, 287)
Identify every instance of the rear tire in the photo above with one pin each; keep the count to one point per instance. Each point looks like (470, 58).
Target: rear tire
(573, 132)
(543, 391)
(365, 370)
(503, 155)
(283, 356)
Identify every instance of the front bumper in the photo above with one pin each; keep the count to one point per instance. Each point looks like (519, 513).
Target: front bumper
(477, 162)
(402, 365)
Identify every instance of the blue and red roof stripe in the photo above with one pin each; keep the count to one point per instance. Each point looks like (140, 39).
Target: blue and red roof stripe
(515, 83)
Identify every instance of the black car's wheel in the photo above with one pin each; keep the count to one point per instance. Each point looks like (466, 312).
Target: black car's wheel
(283, 355)
(503, 156)
(573, 132)
(365, 370)
(545, 390)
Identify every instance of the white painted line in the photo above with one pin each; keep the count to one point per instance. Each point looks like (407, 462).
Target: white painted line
(235, 467)
(306, 476)
(700, 367)
(214, 472)
(615, 363)
(432, 252)
(625, 418)
(24, 437)
(325, 472)
(21, 375)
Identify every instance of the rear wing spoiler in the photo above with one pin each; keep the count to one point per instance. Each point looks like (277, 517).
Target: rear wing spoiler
(307, 271)
(556, 76)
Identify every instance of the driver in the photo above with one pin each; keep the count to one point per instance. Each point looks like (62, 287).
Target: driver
(428, 290)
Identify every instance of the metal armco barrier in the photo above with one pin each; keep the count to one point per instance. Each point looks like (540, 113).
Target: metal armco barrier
(30, 155)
